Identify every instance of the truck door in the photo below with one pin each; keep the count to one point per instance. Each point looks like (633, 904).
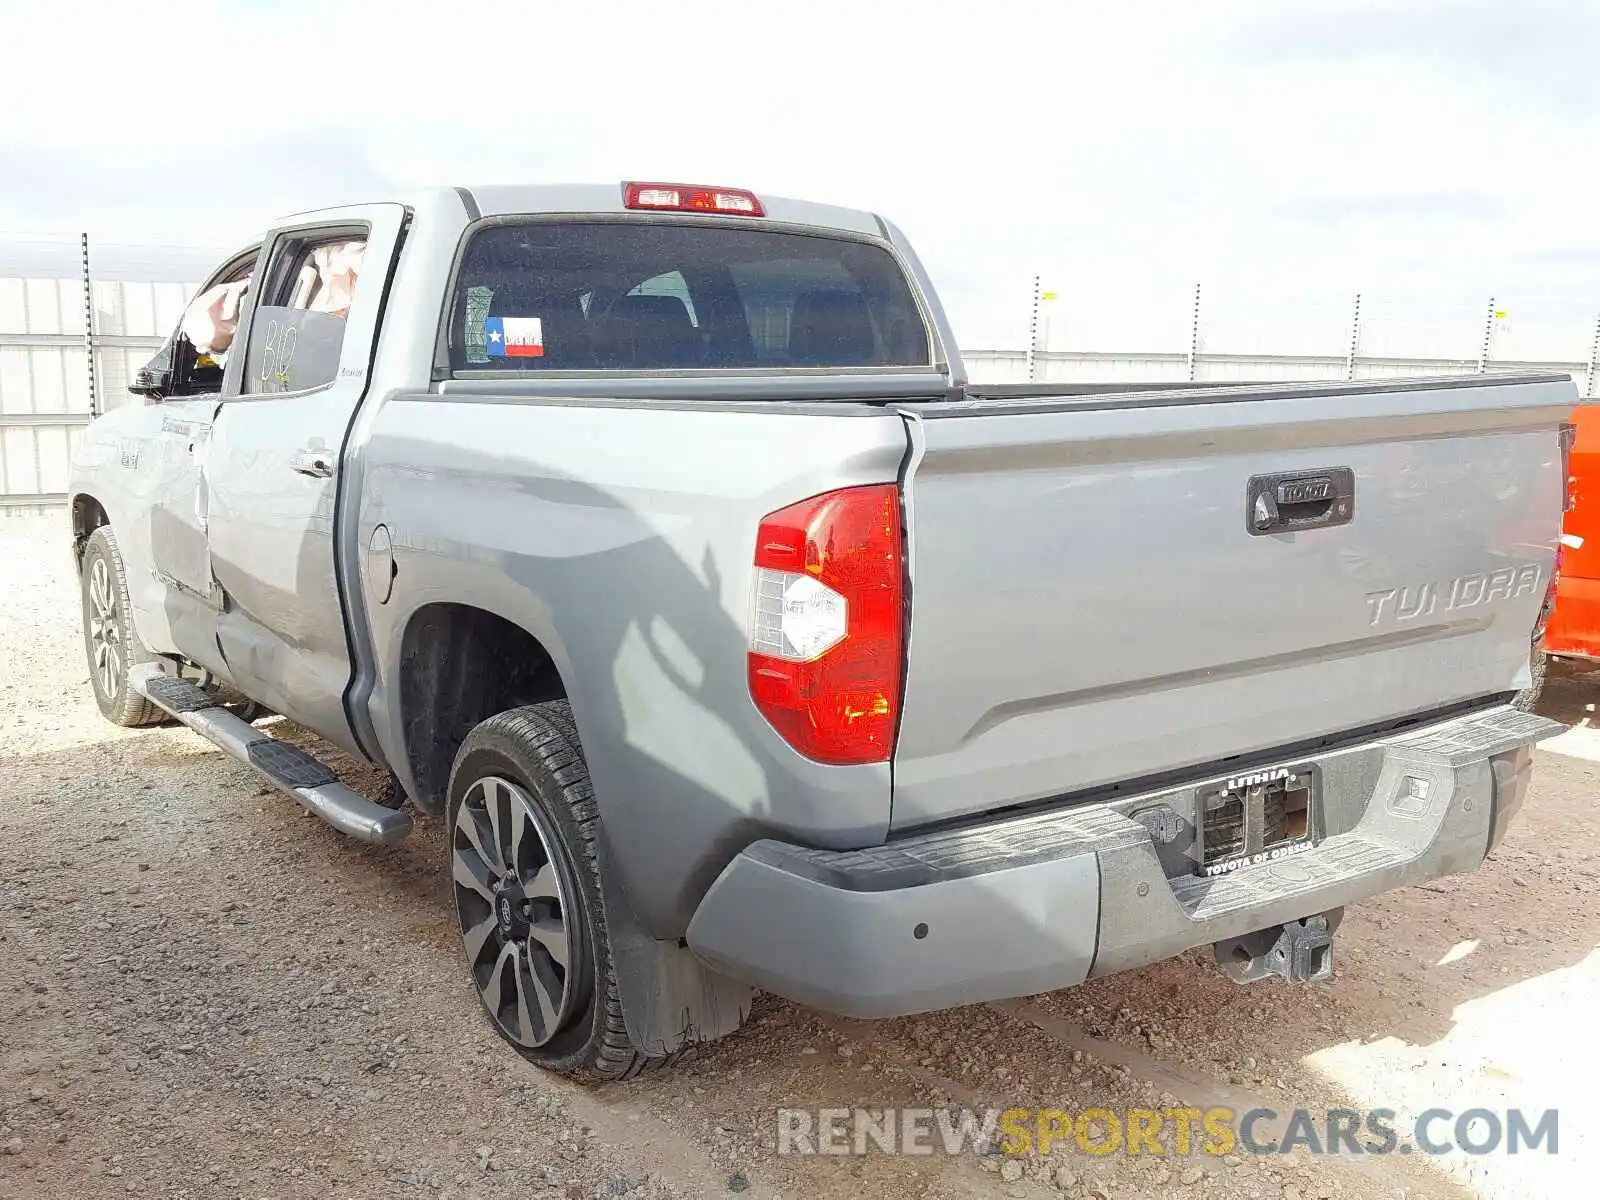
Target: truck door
(186, 380)
(273, 466)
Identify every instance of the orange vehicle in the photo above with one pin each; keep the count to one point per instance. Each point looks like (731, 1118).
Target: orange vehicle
(1574, 629)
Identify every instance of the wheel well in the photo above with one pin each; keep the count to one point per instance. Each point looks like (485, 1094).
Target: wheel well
(458, 666)
(87, 516)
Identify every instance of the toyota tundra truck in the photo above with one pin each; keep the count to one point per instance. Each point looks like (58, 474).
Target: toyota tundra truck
(653, 539)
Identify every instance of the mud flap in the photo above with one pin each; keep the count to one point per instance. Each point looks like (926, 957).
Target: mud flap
(670, 999)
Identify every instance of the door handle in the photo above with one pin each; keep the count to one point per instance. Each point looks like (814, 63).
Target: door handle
(318, 464)
(1300, 500)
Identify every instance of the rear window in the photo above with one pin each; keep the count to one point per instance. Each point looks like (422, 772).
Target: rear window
(628, 296)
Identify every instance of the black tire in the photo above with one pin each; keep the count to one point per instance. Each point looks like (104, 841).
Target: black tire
(236, 701)
(392, 795)
(536, 750)
(112, 644)
(1528, 697)
(248, 710)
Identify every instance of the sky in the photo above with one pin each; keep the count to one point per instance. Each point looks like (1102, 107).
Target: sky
(1284, 154)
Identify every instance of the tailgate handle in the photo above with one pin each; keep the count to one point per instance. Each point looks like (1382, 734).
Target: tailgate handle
(1291, 501)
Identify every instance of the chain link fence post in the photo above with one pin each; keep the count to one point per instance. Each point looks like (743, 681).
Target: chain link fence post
(88, 328)
(1488, 338)
(1194, 333)
(1355, 339)
(1033, 333)
(1594, 360)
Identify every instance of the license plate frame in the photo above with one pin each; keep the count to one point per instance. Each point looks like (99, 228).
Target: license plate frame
(1258, 817)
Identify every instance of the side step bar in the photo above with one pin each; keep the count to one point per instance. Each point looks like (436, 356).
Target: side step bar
(285, 766)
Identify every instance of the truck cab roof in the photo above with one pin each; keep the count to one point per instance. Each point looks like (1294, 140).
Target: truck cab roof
(497, 200)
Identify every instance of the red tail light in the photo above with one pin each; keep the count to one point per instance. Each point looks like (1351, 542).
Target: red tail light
(683, 197)
(827, 627)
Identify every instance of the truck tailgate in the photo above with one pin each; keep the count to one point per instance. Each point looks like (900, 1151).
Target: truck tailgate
(1090, 603)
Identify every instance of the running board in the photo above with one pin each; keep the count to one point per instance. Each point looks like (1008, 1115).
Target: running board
(285, 766)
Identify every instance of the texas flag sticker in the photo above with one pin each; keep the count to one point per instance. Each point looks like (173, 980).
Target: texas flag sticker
(514, 337)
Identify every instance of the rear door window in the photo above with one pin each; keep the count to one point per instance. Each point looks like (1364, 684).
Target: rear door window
(561, 295)
(297, 333)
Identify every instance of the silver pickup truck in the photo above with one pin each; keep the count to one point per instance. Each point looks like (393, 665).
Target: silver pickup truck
(653, 538)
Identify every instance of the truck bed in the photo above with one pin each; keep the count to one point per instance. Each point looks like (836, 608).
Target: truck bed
(1091, 604)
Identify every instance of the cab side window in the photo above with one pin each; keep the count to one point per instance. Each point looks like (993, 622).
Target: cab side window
(297, 332)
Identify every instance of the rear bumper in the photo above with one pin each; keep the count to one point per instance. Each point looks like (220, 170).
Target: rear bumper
(1030, 904)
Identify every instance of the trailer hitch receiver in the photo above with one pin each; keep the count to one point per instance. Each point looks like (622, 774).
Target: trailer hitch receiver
(1299, 951)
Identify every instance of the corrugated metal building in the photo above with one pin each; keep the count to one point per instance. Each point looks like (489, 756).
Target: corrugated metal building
(45, 390)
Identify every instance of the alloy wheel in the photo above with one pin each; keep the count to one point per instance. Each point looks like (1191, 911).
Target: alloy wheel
(517, 911)
(105, 630)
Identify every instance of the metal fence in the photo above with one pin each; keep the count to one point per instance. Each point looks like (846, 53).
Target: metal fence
(1295, 336)
(77, 320)
(1084, 366)
(71, 337)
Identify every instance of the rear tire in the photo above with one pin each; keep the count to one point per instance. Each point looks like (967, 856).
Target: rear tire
(526, 883)
(112, 643)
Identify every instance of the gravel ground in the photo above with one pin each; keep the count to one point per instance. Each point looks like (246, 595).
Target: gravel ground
(206, 993)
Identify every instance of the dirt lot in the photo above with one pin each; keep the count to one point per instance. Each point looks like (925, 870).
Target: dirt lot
(204, 992)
